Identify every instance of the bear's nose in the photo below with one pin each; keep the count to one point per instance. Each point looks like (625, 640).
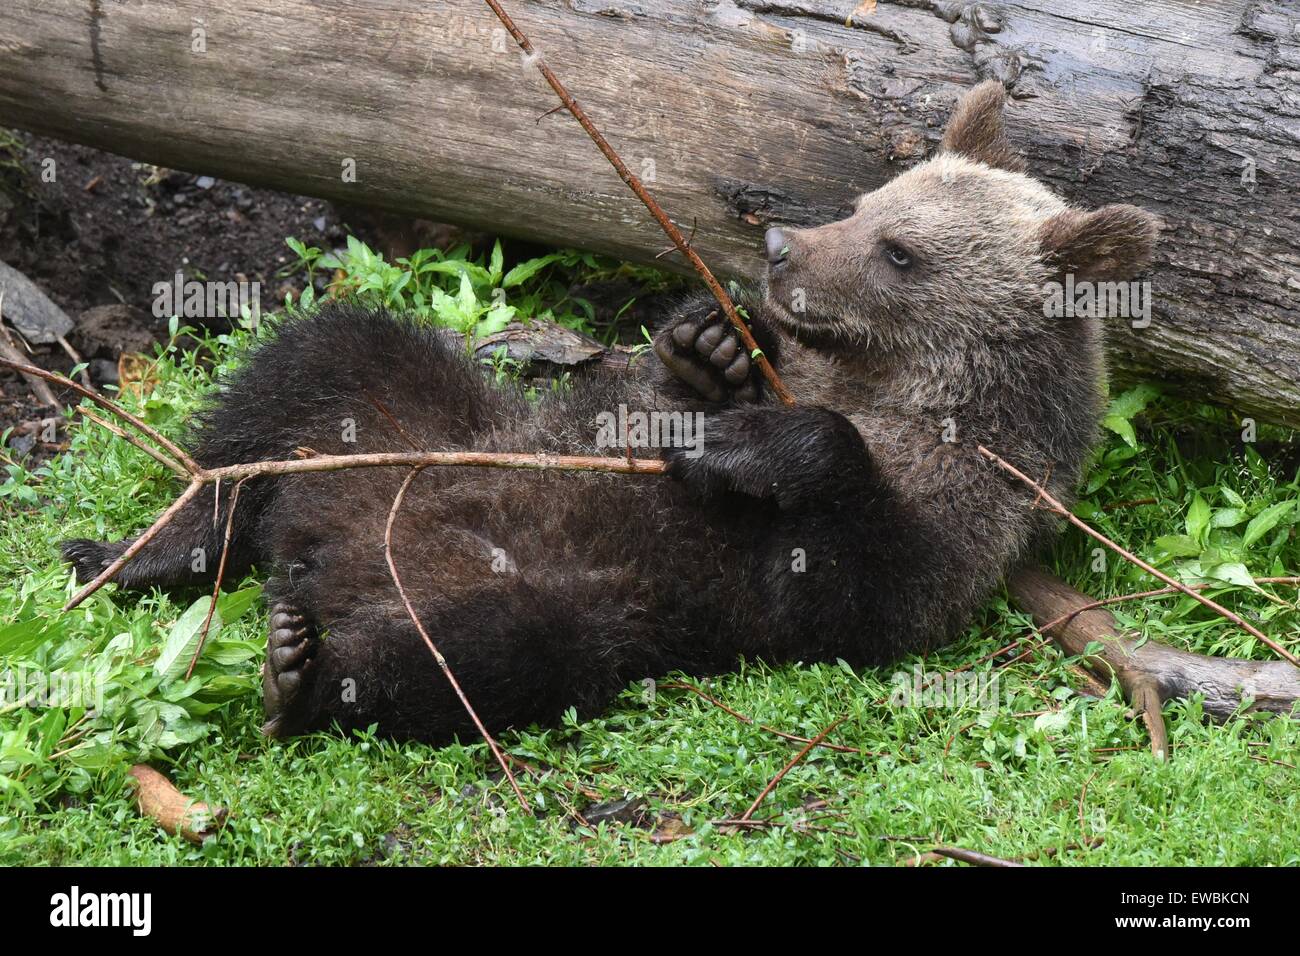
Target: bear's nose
(777, 247)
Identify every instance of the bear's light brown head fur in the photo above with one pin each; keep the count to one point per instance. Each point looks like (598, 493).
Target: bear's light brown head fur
(958, 248)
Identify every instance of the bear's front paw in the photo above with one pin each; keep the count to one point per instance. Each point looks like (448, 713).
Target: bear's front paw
(708, 356)
(798, 457)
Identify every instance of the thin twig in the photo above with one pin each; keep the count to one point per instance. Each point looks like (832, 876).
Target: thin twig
(795, 738)
(108, 406)
(719, 293)
(973, 857)
(788, 767)
(161, 522)
(1056, 507)
(221, 572)
(437, 655)
(1158, 592)
(76, 360)
(535, 462)
(126, 436)
(10, 351)
(528, 461)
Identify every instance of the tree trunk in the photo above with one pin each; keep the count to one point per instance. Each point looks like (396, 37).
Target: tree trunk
(736, 113)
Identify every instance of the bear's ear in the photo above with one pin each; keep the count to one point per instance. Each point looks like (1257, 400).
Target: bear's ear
(976, 132)
(1109, 244)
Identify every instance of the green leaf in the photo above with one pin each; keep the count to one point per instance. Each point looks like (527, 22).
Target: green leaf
(1232, 497)
(20, 637)
(183, 638)
(1198, 518)
(1266, 521)
(1227, 517)
(1052, 720)
(1179, 545)
(1232, 573)
(526, 270)
(1121, 427)
(1133, 401)
(496, 264)
(232, 605)
(494, 321)
(1119, 416)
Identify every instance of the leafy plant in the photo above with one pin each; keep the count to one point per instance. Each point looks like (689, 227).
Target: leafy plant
(475, 295)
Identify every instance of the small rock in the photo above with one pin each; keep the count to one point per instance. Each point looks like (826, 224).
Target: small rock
(22, 445)
(30, 310)
(205, 182)
(319, 223)
(106, 331)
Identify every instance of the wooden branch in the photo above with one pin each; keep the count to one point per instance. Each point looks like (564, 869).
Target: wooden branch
(1148, 672)
(136, 546)
(1057, 508)
(437, 655)
(973, 857)
(681, 242)
(127, 437)
(26, 368)
(9, 350)
(793, 738)
(748, 814)
(221, 570)
(527, 461)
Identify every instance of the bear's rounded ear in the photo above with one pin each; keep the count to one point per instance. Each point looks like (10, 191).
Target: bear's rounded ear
(1108, 244)
(976, 131)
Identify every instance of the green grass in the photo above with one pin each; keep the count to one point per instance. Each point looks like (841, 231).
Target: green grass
(1036, 776)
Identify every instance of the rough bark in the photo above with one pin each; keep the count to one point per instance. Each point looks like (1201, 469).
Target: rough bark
(737, 113)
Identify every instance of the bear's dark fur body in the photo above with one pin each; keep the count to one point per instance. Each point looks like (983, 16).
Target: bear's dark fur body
(861, 525)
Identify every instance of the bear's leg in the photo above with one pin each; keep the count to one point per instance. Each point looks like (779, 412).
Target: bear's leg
(522, 653)
(186, 551)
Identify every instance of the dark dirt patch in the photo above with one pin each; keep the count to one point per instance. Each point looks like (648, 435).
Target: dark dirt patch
(99, 236)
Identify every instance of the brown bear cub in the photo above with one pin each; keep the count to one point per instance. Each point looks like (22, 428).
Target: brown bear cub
(861, 524)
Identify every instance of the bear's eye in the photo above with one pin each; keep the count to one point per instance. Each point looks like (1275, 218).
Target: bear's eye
(898, 256)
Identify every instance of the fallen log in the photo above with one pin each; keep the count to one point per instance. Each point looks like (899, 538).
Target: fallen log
(737, 114)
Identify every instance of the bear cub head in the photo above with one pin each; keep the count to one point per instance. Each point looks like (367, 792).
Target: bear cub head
(959, 247)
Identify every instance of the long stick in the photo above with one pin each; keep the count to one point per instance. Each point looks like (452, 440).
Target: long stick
(437, 655)
(748, 814)
(1055, 506)
(668, 226)
(172, 448)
